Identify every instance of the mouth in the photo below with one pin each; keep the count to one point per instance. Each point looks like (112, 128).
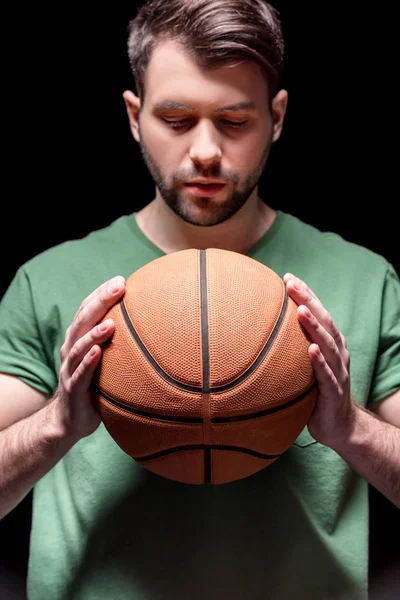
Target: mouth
(204, 189)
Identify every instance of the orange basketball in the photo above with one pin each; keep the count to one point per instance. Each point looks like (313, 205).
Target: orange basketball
(207, 378)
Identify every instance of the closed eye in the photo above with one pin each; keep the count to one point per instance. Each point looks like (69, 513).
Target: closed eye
(184, 122)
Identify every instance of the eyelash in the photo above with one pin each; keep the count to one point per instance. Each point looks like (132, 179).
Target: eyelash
(179, 124)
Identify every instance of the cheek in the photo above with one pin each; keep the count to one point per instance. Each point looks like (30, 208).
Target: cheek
(259, 139)
(158, 144)
(246, 154)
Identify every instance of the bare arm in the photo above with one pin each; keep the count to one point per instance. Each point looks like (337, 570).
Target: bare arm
(388, 409)
(372, 448)
(35, 432)
(368, 440)
(31, 445)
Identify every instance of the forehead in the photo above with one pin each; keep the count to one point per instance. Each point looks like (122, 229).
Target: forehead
(173, 75)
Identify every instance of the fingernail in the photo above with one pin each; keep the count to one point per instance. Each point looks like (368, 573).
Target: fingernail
(115, 286)
(105, 325)
(293, 283)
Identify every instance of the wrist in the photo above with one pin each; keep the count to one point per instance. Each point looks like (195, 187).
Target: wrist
(356, 435)
(54, 426)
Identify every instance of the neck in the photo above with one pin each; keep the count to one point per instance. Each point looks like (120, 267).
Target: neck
(170, 233)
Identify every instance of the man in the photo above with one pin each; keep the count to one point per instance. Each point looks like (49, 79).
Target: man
(207, 111)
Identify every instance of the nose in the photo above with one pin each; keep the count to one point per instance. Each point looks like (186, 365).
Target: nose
(206, 146)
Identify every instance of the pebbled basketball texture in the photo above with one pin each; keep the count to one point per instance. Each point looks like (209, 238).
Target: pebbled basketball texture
(207, 377)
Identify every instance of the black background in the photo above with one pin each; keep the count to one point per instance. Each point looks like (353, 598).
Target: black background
(70, 164)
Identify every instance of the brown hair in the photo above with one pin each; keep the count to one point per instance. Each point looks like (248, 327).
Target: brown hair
(214, 32)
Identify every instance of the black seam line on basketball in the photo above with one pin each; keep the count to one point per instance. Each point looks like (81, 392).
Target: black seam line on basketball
(142, 413)
(204, 323)
(154, 364)
(199, 389)
(261, 356)
(205, 353)
(197, 420)
(207, 449)
(267, 411)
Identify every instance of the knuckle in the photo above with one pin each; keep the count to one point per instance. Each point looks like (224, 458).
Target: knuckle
(74, 352)
(340, 390)
(334, 383)
(81, 306)
(79, 318)
(331, 324)
(104, 297)
(338, 339)
(67, 386)
(333, 346)
(63, 352)
(61, 377)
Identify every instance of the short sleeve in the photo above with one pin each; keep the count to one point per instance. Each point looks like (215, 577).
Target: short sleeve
(23, 352)
(386, 378)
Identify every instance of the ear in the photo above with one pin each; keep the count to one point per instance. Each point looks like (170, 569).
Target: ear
(279, 106)
(132, 104)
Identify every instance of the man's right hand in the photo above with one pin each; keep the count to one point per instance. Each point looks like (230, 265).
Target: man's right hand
(80, 354)
(35, 433)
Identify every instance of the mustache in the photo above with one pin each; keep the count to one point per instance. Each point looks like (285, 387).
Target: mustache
(181, 176)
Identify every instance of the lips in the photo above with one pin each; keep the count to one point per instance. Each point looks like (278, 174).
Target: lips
(204, 190)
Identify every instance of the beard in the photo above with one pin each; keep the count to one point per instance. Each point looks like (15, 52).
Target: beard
(204, 212)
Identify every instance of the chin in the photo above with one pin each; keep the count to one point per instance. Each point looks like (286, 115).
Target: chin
(203, 218)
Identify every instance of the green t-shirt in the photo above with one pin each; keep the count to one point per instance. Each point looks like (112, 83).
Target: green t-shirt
(105, 528)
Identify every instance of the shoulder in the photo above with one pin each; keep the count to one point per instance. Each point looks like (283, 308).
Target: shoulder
(72, 269)
(328, 249)
(84, 262)
(75, 252)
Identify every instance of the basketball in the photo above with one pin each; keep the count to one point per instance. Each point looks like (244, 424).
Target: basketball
(207, 377)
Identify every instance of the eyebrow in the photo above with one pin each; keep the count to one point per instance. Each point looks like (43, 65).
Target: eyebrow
(169, 104)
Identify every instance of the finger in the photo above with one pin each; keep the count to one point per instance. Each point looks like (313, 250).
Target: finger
(325, 342)
(95, 307)
(297, 283)
(107, 285)
(83, 375)
(327, 382)
(95, 337)
(302, 294)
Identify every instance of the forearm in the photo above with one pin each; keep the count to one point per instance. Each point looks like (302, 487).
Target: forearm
(372, 449)
(28, 450)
